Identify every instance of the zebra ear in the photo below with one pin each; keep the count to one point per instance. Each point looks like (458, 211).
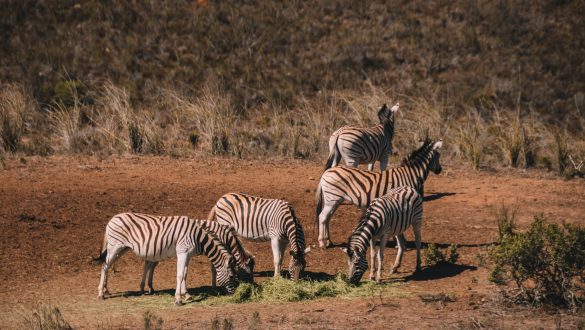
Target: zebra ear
(384, 113)
(395, 107)
(438, 145)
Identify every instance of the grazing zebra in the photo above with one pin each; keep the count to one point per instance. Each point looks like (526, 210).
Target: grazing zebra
(228, 237)
(361, 145)
(155, 238)
(262, 219)
(389, 215)
(353, 186)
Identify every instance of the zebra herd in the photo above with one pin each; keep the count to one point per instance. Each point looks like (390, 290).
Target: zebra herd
(391, 200)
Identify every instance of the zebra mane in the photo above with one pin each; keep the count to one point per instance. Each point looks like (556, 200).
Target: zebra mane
(422, 151)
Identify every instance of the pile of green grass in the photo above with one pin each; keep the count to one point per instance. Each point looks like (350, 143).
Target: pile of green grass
(284, 290)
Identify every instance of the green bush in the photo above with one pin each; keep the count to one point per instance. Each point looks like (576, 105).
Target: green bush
(432, 255)
(547, 263)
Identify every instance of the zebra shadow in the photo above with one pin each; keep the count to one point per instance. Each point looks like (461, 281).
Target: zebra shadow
(198, 294)
(436, 196)
(439, 271)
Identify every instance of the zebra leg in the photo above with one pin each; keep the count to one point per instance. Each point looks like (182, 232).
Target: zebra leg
(372, 257)
(401, 247)
(382, 245)
(113, 255)
(143, 279)
(181, 265)
(153, 265)
(184, 291)
(213, 277)
(417, 240)
(276, 255)
(324, 219)
(383, 162)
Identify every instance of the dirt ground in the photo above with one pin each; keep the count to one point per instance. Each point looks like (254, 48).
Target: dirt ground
(53, 212)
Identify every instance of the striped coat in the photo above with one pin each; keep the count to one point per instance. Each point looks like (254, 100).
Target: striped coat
(261, 219)
(364, 145)
(228, 237)
(354, 186)
(155, 238)
(387, 216)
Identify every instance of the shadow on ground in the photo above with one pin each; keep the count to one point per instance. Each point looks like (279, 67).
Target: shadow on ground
(436, 196)
(439, 271)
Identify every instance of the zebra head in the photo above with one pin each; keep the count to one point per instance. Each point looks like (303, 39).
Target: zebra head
(435, 164)
(226, 275)
(358, 264)
(297, 263)
(386, 114)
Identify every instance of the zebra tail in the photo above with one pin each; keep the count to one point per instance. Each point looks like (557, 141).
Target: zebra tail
(104, 253)
(211, 215)
(319, 198)
(333, 154)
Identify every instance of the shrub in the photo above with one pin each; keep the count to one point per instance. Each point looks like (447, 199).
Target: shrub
(15, 106)
(547, 263)
(44, 316)
(432, 255)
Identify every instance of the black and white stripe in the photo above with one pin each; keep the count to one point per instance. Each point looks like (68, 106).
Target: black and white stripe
(228, 237)
(262, 219)
(364, 145)
(354, 186)
(387, 216)
(155, 238)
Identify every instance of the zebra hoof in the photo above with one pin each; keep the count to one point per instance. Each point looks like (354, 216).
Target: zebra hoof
(150, 291)
(178, 303)
(101, 297)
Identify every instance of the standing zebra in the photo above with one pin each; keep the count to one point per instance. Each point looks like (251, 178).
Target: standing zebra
(155, 238)
(389, 215)
(361, 145)
(261, 219)
(228, 237)
(358, 187)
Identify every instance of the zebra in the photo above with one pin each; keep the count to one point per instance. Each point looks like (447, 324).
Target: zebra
(389, 215)
(360, 145)
(261, 219)
(358, 187)
(155, 238)
(228, 237)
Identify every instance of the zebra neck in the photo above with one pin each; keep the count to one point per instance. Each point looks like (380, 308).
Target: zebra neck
(293, 236)
(420, 167)
(388, 130)
(211, 250)
(360, 239)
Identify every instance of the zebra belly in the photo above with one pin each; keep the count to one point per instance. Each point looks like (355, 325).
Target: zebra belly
(166, 253)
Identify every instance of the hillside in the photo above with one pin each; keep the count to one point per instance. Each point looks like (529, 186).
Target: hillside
(466, 52)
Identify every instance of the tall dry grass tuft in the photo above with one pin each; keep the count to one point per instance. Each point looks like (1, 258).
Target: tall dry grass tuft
(510, 136)
(44, 316)
(15, 106)
(211, 113)
(471, 139)
(66, 121)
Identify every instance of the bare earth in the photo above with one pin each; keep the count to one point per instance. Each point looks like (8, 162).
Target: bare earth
(53, 212)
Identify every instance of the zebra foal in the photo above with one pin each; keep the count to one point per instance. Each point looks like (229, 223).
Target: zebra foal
(261, 219)
(389, 215)
(354, 186)
(364, 145)
(156, 238)
(228, 237)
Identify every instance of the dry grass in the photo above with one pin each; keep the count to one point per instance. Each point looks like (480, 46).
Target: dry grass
(44, 316)
(16, 105)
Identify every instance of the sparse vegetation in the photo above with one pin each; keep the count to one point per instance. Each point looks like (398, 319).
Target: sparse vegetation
(433, 255)
(44, 316)
(283, 290)
(15, 106)
(546, 263)
(151, 321)
(218, 323)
